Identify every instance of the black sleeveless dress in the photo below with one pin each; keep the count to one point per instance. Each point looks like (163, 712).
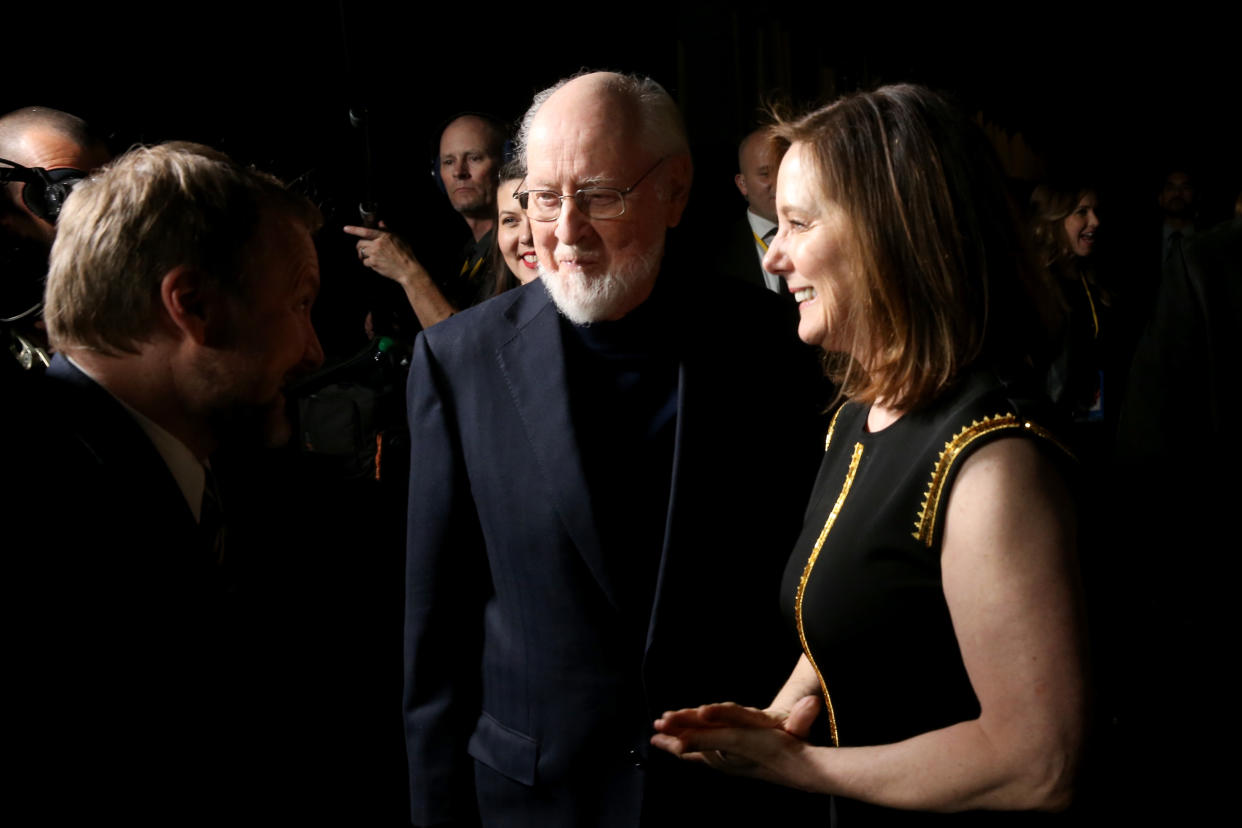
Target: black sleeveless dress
(863, 587)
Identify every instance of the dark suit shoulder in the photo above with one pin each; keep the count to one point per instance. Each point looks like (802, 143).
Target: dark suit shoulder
(732, 254)
(488, 325)
(765, 304)
(742, 309)
(79, 424)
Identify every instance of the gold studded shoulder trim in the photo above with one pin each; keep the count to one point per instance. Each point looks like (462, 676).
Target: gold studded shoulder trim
(831, 426)
(806, 573)
(925, 524)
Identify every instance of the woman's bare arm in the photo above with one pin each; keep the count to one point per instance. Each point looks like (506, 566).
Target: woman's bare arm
(1011, 583)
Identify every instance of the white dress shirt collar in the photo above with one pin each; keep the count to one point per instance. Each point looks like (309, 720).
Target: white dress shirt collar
(761, 227)
(189, 473)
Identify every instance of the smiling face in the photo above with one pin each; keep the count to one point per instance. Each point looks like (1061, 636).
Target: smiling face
(468, 165)
(513, 235)
(599, 269)
(1080, 226)
(812, 252)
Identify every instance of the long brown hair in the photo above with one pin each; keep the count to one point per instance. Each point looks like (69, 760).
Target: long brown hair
(944, 277)
(148, 211)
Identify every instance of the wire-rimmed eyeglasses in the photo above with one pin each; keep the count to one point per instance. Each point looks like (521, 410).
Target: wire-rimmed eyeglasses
(592, 202)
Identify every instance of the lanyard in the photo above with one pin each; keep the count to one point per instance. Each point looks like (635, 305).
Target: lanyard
(473, 270)
(1095, 320)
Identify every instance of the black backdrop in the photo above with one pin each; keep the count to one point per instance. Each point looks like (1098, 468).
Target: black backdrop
(272, 83)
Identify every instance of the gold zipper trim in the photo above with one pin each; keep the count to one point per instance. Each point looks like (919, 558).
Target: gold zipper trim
(806, 573)
(925, 525)
(831, 426)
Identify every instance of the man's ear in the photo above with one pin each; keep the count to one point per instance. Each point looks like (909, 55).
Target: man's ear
(677, 188)
(194, 304)
(740, 181)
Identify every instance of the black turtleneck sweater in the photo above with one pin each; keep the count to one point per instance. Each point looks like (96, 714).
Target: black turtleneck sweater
(624, 380)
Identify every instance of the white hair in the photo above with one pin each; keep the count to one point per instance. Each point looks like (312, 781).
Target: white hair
(661, 130)
(585, 299)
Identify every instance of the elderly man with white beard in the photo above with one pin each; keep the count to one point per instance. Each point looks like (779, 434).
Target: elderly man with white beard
(593, 461)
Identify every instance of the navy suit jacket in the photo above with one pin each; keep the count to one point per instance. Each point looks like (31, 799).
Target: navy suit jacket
(114, 529)
(119, 608)
(525, 685)
(143, 690)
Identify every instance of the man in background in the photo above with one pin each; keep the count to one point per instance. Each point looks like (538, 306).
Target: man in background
(747, 241)
(467, 167)
(44, 153)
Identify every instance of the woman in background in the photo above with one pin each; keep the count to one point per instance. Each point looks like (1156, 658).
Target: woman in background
(512, 258)
(1064, 227)
(934, 588)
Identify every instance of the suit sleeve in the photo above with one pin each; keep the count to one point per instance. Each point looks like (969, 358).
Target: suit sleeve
(446, 586)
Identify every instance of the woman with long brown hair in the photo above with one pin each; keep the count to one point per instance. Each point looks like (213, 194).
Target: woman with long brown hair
(934, 589)
(1064, 226)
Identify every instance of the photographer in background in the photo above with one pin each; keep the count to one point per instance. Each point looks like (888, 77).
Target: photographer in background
(43, 153)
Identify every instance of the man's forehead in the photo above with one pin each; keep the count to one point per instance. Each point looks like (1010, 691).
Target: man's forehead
(553, 173)
(47, 148)
(760, 152)
(467, 133)
(579, 157)
(285, 248)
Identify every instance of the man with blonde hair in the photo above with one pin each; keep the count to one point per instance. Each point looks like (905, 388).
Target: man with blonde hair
(178, 302)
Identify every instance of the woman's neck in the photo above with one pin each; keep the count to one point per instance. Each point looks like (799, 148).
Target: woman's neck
(881, 416)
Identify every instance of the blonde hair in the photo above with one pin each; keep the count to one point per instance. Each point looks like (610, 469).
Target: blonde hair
(134, 220)
(660, 130)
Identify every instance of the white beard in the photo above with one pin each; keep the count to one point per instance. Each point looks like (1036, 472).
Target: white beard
(584, 299)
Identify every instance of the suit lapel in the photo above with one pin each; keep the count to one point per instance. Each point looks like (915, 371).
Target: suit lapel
(533, 364)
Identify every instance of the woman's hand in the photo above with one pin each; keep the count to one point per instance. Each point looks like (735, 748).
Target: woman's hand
(767, 744)
(1010, 582)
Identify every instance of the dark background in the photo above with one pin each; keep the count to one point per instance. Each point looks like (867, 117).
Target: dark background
(272, 84)
(1119, 100)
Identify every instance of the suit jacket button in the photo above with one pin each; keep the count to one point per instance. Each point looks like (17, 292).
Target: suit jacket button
(635, 758)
